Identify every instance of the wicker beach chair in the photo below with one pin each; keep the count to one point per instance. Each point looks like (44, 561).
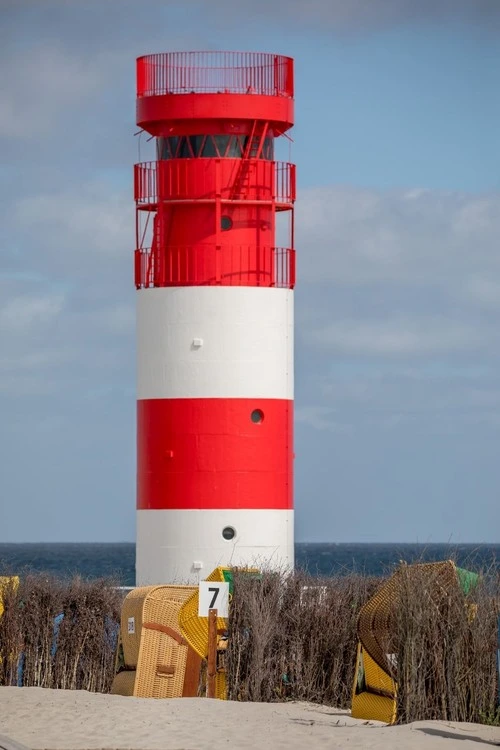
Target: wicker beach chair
(195, 629)
(375, 683)
(158, 661)
(7, 582)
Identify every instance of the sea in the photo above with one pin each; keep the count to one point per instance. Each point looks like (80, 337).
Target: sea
(117, 560)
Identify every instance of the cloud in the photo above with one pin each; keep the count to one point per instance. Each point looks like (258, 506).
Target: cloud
(360, 236)
(339, 16)
(24, 312)
(398, 311)
(48, 84)
(484, 291)
(91, 220)
(422, 336)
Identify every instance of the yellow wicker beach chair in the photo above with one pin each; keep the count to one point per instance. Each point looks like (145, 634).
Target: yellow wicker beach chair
(5, 583)
(195, 629)
(158, 661)
(374, 693)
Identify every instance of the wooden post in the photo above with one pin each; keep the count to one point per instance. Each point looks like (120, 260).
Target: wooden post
(212, 652)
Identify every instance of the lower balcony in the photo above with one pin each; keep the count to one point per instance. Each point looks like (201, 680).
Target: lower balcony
(205, 265)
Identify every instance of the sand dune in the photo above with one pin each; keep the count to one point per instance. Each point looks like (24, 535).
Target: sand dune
(76, 720)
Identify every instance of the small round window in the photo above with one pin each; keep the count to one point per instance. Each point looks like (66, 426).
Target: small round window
(226, 223)
(228, 533)
(257, 416)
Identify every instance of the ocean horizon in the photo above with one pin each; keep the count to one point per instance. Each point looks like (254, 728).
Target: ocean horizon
(117, 559)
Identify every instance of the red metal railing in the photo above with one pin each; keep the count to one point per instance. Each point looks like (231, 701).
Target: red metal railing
(215, 72)
(206, 266)
(197, 179)
(285, 182)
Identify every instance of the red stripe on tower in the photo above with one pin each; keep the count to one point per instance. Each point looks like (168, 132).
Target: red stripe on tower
(214, 315)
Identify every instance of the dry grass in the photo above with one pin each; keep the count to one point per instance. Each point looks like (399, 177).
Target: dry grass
(294, 636)
(446, 650)
(85, 636)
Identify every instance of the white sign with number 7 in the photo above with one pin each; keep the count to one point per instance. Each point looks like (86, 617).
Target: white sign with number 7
(213, 595)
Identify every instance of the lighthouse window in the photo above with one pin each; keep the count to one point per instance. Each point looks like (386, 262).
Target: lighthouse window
(210, 146)
(167, 147)
(268, 149)
(221, 144)
(185, 150)
(196, 144)
(234, 148)
(226, 223)
(257, 416)
(228, 533)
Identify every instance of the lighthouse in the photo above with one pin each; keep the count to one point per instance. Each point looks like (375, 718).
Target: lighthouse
(215, 330)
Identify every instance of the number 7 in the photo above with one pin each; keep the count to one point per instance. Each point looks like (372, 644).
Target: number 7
(214, 598)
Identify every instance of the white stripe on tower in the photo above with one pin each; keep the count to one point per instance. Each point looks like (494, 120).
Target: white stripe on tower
(215, 342)
(209, 360)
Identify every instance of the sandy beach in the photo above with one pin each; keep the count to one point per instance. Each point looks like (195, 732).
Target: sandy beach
(76, 720)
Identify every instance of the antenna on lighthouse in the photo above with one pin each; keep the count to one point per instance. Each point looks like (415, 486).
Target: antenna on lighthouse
(214, 315)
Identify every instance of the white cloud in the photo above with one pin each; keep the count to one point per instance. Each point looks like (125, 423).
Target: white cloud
(321, 418)
(46, 85)
(85, 230)
(483, 291)
(359, 236)
(422, 335)
(22, 313)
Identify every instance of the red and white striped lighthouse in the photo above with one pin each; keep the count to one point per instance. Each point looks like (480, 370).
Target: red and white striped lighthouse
(214, 315)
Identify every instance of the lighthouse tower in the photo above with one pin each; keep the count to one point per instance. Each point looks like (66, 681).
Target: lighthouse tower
(214, 315)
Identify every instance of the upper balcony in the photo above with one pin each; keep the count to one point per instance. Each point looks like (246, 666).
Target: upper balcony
(174, 87)
(215, 73)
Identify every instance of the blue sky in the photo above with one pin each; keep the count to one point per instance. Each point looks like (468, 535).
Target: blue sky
(397, 143)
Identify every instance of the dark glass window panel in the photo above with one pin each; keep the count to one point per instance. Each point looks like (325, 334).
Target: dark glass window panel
(196, 144)
(184, 151)
(209, 149)
(234, 149)
(174, 145)
(221, 143)
(163, 148)
(268, 149)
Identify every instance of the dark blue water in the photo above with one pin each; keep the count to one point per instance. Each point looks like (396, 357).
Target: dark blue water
(118, 560)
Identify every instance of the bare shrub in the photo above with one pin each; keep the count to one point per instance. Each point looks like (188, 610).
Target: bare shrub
(11, 638)
(87, 637)
(292, 636)
(39, 602)
(445, 646)
(59, 634)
